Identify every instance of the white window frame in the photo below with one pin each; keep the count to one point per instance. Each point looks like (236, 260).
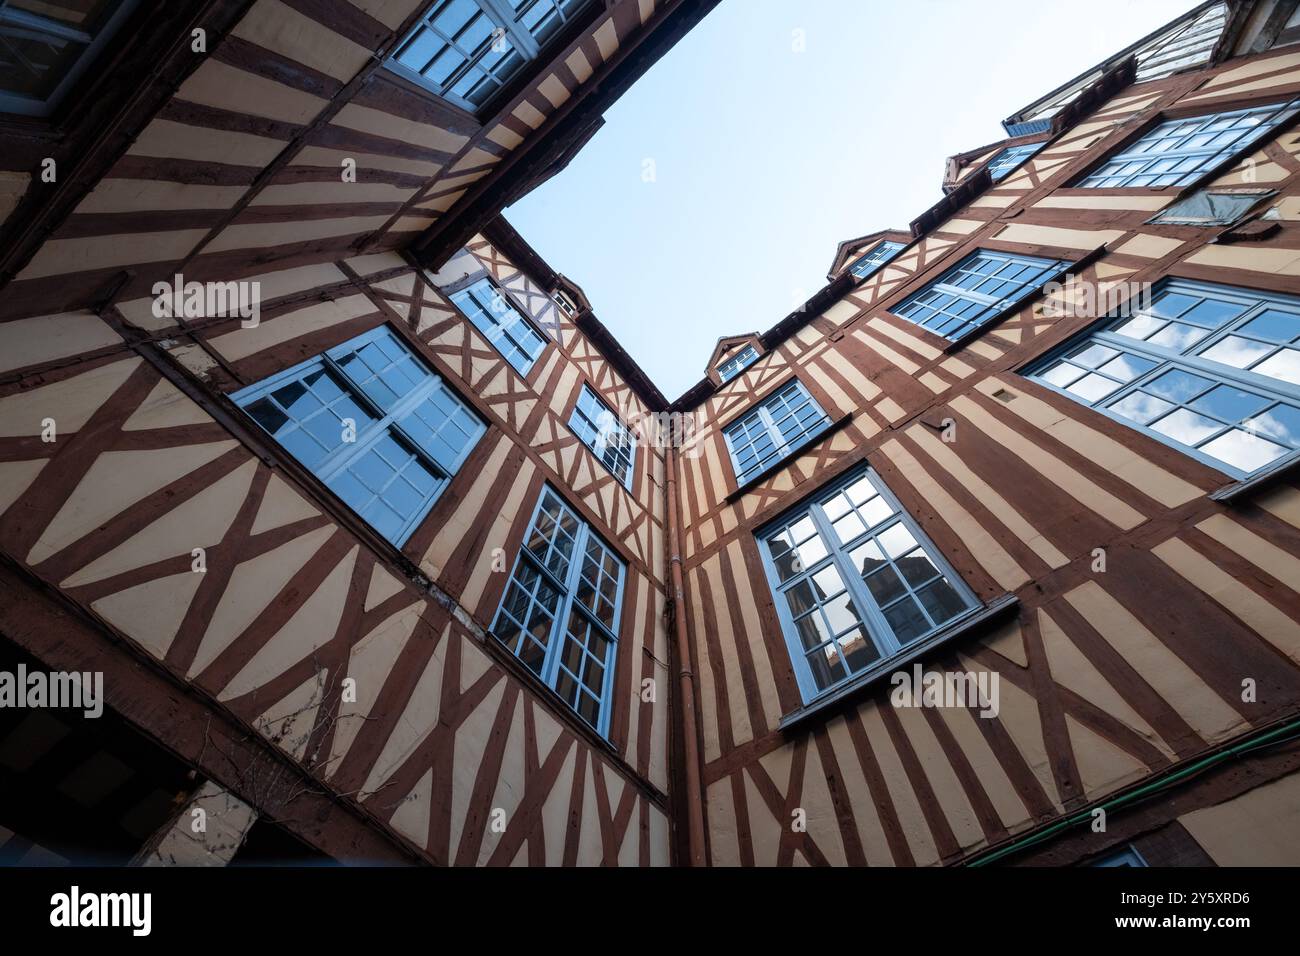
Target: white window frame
(737, 363)
(837, 554)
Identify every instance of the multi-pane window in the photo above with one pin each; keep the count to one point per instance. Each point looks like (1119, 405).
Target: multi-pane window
(976, 290)
(737, 363)
(1179, 151)
(1210, 370)
(492, 314)
(560, 612)
(47, 45)
(876, 258)
(775, 429)
(373, 423)
(1011, 157)
(467, 50)
(856, 582)
(600, 430)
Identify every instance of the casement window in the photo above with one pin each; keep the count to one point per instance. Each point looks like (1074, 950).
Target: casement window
(737, 363)
(560, 611)
(46, 46)
(509, 332)
(777, 428)
(976, 290)
(1001, 165)
(467, 50)
(855, 582)
(876, 258)
(374, 423)
(1179, 151)
(1210, 370)
(600, 430)
(1213, 207)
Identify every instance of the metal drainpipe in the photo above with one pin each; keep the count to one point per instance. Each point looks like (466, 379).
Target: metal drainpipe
(685, 677)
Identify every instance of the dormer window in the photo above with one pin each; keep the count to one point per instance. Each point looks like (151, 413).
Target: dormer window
(738, 362)
(566, 303)
(467, 50)
(1009, 159)
(876, 258)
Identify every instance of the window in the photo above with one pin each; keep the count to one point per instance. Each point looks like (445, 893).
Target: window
(876, 258)
(467, 50)
(1179, 151)
(45, 47)
(1210, 370)
(602, 432)
(372, 422)
(976, 290)
(1004, 162)
(1212, 207)
(560, 612)
(492, 314)
(780, 425)
(1128, 856)
(855, 582)
(737, 363)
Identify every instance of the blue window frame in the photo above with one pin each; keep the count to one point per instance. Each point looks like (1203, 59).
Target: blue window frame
(1001, 165)
(509, 332)
(1210, 370)
(1177, 152)
(737, 363)
(373, 423)
(775, 429)
(1128, 856)
(600, 430)
(45, 48)
(974, 291)
(467, 50)
(856, 582)
(877, 257)
(561, 608)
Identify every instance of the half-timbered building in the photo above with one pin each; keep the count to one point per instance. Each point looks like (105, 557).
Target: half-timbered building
(382, 549)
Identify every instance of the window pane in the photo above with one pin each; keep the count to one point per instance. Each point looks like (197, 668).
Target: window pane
(773, 429)
(974, 291)
(559, 614)
(1177, 152)
(492, 314)
(1217, 373)
(1008, 159)
(601, 431)
(737, 363)
(347, 416)
(899, 588)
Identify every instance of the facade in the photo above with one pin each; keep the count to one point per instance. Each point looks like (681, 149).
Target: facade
(386, 551)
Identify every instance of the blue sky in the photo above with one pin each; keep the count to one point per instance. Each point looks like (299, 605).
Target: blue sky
(713, 199)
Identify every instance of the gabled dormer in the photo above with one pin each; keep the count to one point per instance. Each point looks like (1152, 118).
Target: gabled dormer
(866, 254)
(1001, 159)
(732, 355)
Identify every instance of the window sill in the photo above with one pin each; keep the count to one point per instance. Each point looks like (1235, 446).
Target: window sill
(751, 483)
(1240, 489)
(830, 703)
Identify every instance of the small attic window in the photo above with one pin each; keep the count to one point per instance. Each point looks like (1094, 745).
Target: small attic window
(737, 363)
(876, 258)
(566, 303)
(1005, 162)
